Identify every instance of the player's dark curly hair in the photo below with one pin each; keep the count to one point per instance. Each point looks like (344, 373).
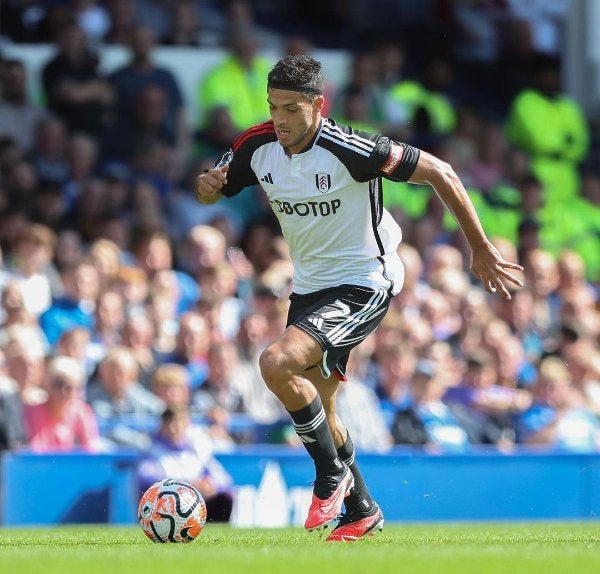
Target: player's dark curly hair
(297, 73)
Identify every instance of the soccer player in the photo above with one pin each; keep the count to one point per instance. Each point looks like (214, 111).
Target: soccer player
(324, 183)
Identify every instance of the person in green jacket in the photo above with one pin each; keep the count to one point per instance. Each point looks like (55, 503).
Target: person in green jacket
(552, 129)
(238, 82)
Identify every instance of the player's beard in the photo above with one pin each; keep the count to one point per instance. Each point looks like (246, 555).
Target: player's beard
(300, 139)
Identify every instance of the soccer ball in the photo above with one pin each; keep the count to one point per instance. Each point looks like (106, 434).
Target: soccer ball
(172, 511)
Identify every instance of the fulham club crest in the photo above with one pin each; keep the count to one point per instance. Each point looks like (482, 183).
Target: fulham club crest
(323, 182)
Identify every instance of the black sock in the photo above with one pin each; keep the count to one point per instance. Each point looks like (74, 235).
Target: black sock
(359, 501)
(310, 424)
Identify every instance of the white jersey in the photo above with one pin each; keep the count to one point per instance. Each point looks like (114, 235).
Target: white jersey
(328, 200)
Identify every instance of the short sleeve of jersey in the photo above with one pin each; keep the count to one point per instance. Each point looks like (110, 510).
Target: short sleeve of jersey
(368, 155)
(394, 160)
(239, 174)
(239, 157)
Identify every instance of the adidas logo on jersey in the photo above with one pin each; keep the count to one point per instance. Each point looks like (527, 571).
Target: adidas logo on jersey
(267, 178)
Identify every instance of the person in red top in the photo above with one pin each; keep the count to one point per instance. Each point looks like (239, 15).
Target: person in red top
(64, 422)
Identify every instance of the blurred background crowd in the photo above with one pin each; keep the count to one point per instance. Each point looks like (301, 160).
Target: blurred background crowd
(130, 315)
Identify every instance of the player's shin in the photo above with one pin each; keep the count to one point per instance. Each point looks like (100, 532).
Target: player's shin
(359, 500)
(310, 424)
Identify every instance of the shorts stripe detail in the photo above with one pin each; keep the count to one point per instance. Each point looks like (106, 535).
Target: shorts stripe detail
(371, 308)
(351, 340)
(310, 425)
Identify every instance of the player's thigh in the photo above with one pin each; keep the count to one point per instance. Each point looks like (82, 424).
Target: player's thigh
(339, 319)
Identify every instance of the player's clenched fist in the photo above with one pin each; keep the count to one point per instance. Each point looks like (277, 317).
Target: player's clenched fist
(209, 184)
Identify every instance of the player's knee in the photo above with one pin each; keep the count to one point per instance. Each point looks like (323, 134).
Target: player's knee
(274, 367)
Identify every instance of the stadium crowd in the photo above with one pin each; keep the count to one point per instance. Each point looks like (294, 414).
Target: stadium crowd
(123, 299)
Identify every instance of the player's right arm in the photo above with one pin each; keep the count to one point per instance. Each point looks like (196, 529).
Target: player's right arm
(233, 172)
(209, 185)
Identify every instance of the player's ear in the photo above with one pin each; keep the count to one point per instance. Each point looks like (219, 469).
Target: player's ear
(319, 103)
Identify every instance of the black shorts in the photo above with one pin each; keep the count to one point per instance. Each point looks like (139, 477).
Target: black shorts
(339, 318)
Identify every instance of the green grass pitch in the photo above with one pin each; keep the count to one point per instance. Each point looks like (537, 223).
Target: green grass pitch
(507, 548)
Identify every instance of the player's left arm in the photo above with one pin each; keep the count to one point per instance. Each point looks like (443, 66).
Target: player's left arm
(486, 262)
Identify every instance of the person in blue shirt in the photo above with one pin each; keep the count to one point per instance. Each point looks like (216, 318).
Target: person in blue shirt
(559, 417)
(75, 308)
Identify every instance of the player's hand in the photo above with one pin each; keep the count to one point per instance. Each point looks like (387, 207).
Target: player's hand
(493, 270)
(209, 184)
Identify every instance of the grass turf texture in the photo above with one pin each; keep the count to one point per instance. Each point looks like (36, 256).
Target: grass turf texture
(482, 548)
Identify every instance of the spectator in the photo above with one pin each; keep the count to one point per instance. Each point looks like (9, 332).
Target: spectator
(514, 370)
(75, 90)
(33, 254)
(542, 278)
(109, 316)
(13, 307)
(427, 420)
(586, 209)
(221, 395)
(181, 450)
(363, 82)
(74, 343)
(69, 248)
(184, 212)
(12, 431)
(148, 122)
(571, 270)
(76, 307)
(18, 116)
(64, 422)
(557, 146)
(169, 382)
(444, 321)
(252, 338)
(427, 103)
(132, 283)
(486, 409)
(217, 132)
(583, 363)
(219, 288)
(106, 258)
(204, 247)
(191, 347)
(185, 26)
(415, 289)
(358, 404)
(559, 417)
(222, 387)
(243, 68)
(146, 205)
(122, 15)
(395, 368)
(140, 72)
(475, 313)
(25, 363)
(153, 253)
(116, 392)
(82, 155)
(49, 153)
(138, 335)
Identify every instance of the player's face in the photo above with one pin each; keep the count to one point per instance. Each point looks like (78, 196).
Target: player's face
(295, 117)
